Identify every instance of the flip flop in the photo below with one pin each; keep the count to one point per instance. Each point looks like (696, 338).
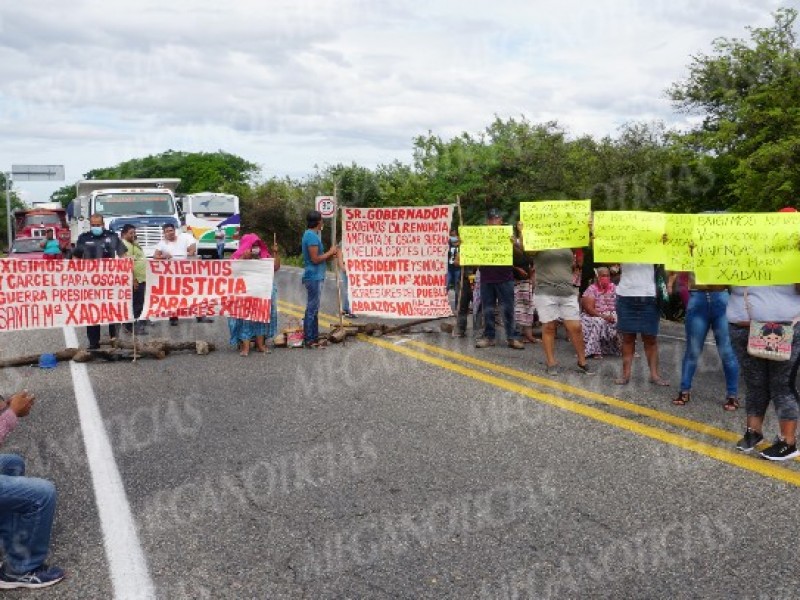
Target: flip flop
(659, 382)
(622, 380)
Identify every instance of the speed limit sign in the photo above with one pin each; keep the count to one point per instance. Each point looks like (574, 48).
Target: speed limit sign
(326, 205)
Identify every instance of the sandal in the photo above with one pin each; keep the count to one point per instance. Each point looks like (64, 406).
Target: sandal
(622, 380)
(660, 382)
(682, 399)
(731, 403)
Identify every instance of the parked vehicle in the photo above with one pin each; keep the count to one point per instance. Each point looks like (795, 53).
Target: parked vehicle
(36, 222)
(145, 203)
(203, 213)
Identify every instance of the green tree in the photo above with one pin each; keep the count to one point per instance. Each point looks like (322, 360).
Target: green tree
(748, 93)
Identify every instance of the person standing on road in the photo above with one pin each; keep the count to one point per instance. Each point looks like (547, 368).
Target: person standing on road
(219, 238)
(497, 285)
(315, 266)
(523, 287)
(707, 309)
(52, 251)
(133, 250)
(98, 242)
(27, 507)
(177, 247)
(557, 299)
(453, 265)
(767, 380)
(345, 285)
(243, 331)
(638, 313)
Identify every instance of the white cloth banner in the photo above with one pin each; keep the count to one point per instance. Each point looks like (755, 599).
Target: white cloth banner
(200, 288)
(396, 260)
(39, 294)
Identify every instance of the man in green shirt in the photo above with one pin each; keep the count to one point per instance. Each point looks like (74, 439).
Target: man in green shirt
(128, 236)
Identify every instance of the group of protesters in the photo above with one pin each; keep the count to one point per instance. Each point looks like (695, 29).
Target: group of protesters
(604, 308)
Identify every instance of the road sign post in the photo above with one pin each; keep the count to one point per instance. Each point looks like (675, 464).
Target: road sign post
(29, 173)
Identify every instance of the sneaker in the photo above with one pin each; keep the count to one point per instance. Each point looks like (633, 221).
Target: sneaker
(585, 369)
(484, 343)
(44, 576)
(780, 450)
(552, 370)
(516, 345)
(750, 440)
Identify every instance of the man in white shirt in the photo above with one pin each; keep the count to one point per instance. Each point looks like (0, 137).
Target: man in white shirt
(179, 246)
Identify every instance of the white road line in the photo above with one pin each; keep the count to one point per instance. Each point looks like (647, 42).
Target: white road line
(129, 574)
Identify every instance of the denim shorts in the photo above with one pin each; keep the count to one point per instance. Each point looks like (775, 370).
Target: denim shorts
(638, 314)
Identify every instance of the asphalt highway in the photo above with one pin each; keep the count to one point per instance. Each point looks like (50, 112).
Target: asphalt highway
(405, 466)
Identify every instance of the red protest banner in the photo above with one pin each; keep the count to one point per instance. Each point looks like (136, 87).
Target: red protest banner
(40, 294)
(396, 260)
(206, 288)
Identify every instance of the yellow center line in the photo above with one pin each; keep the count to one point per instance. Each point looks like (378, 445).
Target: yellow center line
(736, 459)
(696, 426)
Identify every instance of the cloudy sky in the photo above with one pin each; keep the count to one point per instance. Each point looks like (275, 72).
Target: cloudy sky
(290, 84)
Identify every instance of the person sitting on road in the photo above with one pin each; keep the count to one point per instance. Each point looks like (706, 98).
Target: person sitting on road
(599, 317)
(27, 507)
(98, 242)
(177, 247)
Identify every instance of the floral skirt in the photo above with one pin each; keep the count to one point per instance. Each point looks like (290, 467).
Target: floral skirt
(523, 303)
(600, 336)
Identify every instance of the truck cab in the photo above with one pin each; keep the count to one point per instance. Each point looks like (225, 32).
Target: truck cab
(146, 204)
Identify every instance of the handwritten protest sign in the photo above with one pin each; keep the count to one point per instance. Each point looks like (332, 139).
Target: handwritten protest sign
(199, 288)
(628, 237)
(555, 224)
(39, 294)
(747, 248)
(486, 245)
(396, 260)
(680, 236)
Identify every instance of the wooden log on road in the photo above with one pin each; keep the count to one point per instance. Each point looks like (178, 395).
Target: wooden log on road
(33, 359)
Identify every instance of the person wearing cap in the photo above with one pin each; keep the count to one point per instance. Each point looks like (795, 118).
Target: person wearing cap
(314, 268)
(497, 285)
(27, 508)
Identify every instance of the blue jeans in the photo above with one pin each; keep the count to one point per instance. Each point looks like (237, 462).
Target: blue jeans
(706, 310)
(311, 318)
(221, 250)
(345, 299)
(453, 277)
(490, 294)
(27, 505)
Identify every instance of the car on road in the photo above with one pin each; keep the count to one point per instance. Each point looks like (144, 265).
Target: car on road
(26, 248)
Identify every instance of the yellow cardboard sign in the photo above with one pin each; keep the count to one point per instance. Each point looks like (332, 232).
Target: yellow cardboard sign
(551, 224)
(629, 237)
(680, 237)
(487, 245)
(749, 249)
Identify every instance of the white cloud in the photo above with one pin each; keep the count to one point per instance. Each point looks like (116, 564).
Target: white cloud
(290, 84)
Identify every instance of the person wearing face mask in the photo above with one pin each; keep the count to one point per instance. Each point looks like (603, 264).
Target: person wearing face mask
(599, 317)
(98, 242)
(706, 310)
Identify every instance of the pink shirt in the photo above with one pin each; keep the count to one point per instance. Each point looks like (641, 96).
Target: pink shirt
(604, 302)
